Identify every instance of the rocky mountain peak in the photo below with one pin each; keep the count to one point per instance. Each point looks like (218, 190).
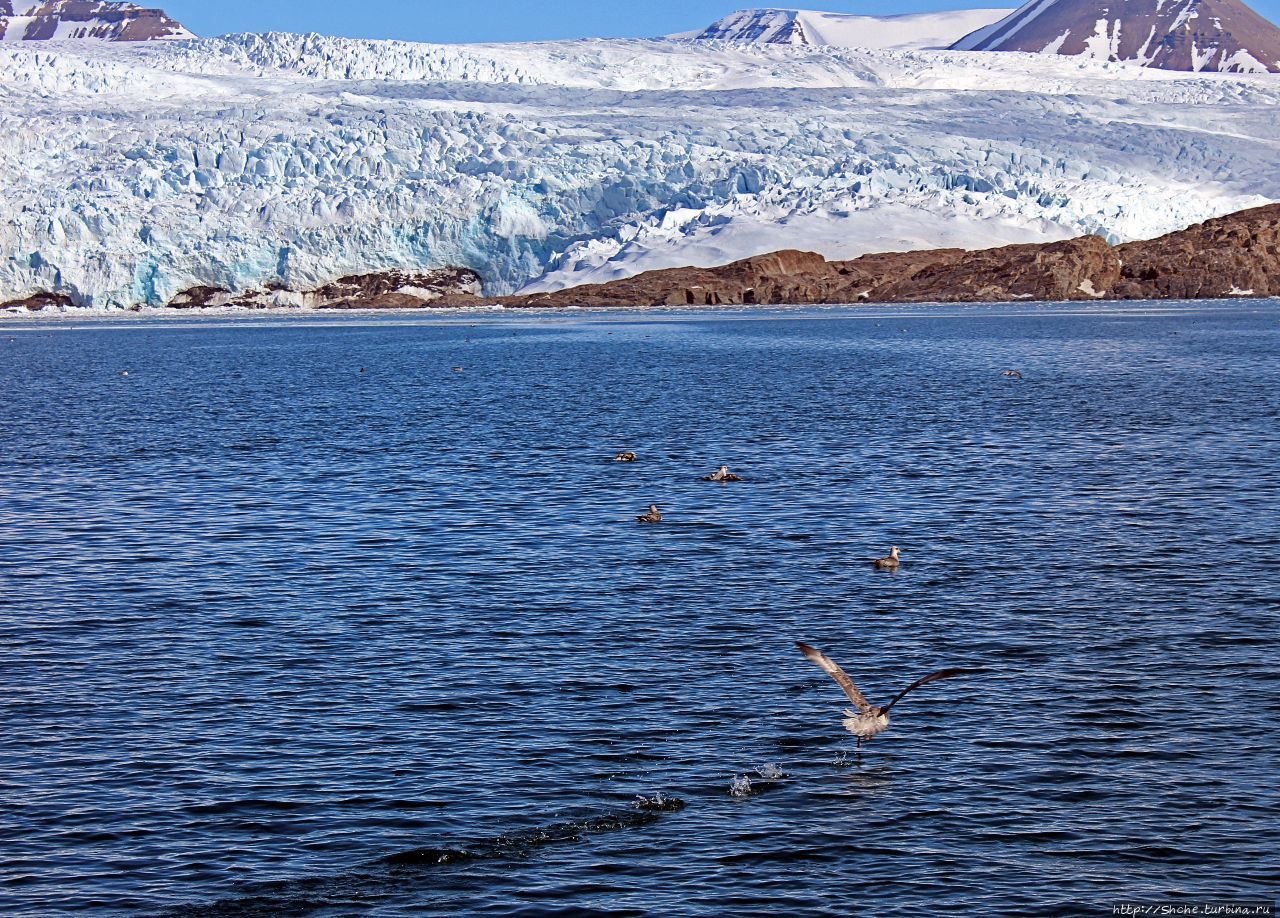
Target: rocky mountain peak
(23, 20)
(1197, 35)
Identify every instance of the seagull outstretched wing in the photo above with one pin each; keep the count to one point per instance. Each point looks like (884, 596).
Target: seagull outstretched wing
(835, 672)
(932, 677)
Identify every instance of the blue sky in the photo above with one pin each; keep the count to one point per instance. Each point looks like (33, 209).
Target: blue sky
(508, 20)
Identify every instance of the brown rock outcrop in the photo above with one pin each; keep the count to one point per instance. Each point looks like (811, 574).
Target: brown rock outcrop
(394, 289)
(1084, 268)
(38, 301)
(104, 20)
(1236, 255)
(1215, 35)
(379, 290)
(198, 297)
(779, 277)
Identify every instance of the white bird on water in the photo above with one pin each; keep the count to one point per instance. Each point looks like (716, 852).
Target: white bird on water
(722, 474)
(868, 721)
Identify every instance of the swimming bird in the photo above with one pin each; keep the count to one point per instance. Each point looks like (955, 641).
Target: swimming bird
(868, 720)
(722, 474)
(457, 369)
(653, 516)
(890, 563)
(625, 457)
(124, 372)
(1012, 374)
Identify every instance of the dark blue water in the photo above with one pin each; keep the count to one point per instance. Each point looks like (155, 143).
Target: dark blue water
(281, 638)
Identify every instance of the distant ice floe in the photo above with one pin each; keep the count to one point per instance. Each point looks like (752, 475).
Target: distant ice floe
(134, 173)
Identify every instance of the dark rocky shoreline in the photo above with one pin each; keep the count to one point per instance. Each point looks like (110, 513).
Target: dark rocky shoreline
(1236, 255)
(1231, 256)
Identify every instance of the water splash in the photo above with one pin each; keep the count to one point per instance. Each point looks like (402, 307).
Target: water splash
(658, 803)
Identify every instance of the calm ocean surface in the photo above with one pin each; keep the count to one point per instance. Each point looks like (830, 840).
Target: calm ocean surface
(281, 638)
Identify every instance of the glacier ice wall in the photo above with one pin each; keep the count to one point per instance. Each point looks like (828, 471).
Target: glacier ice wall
(133, 173)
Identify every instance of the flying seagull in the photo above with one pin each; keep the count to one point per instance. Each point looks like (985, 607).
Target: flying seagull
(1012, 374)
(868, 720)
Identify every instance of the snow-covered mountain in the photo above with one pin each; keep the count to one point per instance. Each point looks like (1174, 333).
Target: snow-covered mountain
(134, 172)
(104, 21)
(807, 27)
(1198, 35)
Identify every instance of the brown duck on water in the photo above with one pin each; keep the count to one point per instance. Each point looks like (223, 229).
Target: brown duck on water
(890, 563)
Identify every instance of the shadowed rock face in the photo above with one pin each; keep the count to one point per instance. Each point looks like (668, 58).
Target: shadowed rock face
(1077, 269)
(38, 301)
(1231, 256)
(106, 21)
(1237, 255)
(1196, 35)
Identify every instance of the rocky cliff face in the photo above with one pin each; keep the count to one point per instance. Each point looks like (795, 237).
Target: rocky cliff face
(23, 20)
(1237, 255)
(1218, 35)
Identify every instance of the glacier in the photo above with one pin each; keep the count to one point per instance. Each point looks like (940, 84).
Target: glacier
(135, 172)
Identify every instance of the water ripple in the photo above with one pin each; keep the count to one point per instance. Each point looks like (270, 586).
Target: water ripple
(281, 638)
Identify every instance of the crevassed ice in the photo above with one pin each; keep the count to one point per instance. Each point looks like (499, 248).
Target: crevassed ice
(134, 173)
